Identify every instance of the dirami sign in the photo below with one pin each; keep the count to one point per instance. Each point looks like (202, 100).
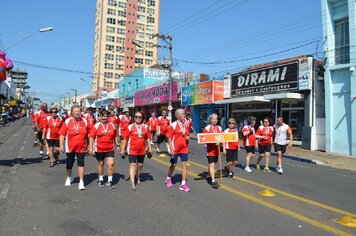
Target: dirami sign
(204, 93)
(155, 95)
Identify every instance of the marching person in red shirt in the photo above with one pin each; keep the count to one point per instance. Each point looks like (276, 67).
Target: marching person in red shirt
(101, 145)
(248, 132)
(90, 118)
(124, 121)
(75, 131)
(212, 149)
(136, 136)
(178, 138)
(40, 123)
(162, 128)
(113, 118)
(231, 149)
(35, 132)
(51, 135)
(265, 135)
(189, 122)
(152, 125)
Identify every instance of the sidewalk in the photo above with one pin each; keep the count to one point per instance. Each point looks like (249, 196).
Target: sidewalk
(333, 160)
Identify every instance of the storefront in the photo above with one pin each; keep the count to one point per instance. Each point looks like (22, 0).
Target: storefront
(156, 99)
(201, 99)
(290, 88)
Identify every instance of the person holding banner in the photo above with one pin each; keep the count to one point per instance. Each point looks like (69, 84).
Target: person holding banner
(248, 132)
(231, 149)
(212, 149)
(178, 139)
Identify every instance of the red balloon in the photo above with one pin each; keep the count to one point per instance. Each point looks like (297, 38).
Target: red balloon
(2, 70)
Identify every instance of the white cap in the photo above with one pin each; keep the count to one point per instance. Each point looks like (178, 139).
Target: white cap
(125, 109)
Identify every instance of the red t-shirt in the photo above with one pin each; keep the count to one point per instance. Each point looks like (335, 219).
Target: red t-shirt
(136, 145)
(152, 123)
(53, 126)
(265, 131)
(113, 119)
(104, 136)
(231, 145)
(175, 133)
(40, 118)
(250, 139)
(163, 124)
(68, 115)
(124, 122)
(189, 122)
(76, 133)
(211, 148)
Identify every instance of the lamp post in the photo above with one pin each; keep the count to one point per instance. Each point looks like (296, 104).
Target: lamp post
(47, 29)
(75, 95)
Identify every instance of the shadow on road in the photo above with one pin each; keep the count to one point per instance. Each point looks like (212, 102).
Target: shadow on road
(20, 161)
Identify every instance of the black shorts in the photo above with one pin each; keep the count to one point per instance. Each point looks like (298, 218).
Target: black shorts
(250, 149)
(231, 155)
(71, 159)
(102, 155)
(153, 133)
(39, 136)
(136, 158)
(280, 148)
(264, 148)
(212, 159)
(53, 143)
(161, 138)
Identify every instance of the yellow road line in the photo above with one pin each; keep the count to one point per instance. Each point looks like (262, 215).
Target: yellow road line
(311, 202)
(269, 205)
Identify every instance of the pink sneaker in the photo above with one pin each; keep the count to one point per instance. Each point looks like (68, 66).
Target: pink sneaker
(169, 183)
(184, 187)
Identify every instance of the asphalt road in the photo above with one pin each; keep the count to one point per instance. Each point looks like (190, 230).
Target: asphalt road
(309, 199)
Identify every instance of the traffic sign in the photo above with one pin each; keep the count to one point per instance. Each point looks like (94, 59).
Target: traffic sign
(218, 137)
(170, 108)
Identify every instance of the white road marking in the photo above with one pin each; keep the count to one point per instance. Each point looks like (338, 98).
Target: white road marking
(24, 142)
(348, 176)
(5, 191)
(22, 148)
(306, 167)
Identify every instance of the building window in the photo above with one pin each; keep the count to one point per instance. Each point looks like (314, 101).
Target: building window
(141, 9)
(122, 4)
(109, 66)
(109, 47)
(121, 13)
(149, 45)
(140, 26)
(119, 67)
(141, 18)
(139, 52)
(112, 3)
(120, 58)
(121, 31)
(109, 57)
(110, 29)
(342, 41)
(121, 22)
(151, 3)
(120, 49)
(108, 75)
(111, 21)
(111, 11)
(136, 84)
(150, 19)
(149, 53)
(150, 28)
(148, 62)
(139, 60)
(110, 38)
(151, 11)
(141, 35)
(120, 40)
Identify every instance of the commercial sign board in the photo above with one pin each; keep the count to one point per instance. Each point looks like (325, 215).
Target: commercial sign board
(204, 93)
(156, 95)
(265, 80)
(156, 74)
(218, 137)
(305, 73)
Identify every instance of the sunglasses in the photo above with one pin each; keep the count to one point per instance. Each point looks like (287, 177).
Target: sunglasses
(265, 122)
(138, 117)
(54, 111)
(232, 124)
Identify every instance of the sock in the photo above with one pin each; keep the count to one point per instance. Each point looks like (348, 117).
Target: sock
(168, 177)
(157, 149)
(35, 142)
(109, 178)
(68, 177)
(101, 177)
(47, 153)
(81, 181)
(213, 180)
(183, 182)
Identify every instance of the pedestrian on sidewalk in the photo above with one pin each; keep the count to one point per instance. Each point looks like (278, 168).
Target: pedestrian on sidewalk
(178, 137)
(102, 138)
(136, 136)
(75, 131)
(280, 141)
(51, 135)
(40, 123)
(162, 128)
(265, 135)
(231, 149)
(248, 132)
(212, 149)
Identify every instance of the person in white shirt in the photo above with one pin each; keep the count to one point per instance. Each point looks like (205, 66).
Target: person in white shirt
(280, 141)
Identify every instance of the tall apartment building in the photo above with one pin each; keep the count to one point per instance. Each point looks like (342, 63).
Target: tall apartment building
(119, 23)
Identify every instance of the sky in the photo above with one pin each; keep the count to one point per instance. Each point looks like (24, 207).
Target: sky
(209, 36)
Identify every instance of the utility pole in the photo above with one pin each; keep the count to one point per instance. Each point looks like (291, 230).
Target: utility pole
(170, 79)
(75, 95)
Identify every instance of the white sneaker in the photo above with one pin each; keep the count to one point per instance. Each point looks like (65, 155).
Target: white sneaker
(68, 182)
(81, 186)
(247, 169)
(279, 170)
(152, 143)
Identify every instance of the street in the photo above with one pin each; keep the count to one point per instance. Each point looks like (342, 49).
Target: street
(309, 199)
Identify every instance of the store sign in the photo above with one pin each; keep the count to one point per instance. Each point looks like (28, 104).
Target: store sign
(203, 93)
(305, 73)
(156, 95)
(127, 102)
(156, 74)
(265, 80)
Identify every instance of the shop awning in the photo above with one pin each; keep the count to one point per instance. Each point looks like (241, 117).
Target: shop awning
(243, 99)
(280, 96)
